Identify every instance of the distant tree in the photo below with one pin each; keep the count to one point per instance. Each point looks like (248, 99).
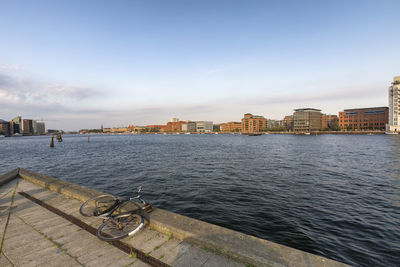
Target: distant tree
(154, 130)
(335, 126)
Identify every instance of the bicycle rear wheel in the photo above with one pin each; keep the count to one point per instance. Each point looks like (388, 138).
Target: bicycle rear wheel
(97, 206)
(120, 227)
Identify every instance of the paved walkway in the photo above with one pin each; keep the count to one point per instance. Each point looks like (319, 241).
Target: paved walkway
(33, 236)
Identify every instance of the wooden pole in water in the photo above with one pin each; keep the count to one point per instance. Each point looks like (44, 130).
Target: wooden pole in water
(52, 141)
(88, 139)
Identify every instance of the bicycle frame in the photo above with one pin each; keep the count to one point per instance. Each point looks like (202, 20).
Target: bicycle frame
(120, 202)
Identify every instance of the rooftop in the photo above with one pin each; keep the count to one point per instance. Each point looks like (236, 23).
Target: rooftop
(373, 108)
(307, 109)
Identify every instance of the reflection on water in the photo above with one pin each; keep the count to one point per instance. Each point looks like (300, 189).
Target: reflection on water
(333, 195)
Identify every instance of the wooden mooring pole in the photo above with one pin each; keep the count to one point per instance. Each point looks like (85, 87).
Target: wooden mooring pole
(52, 141)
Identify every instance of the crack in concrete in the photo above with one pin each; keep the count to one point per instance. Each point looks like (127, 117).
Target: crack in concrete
(7, 258)
(49, 238)
(8, 218)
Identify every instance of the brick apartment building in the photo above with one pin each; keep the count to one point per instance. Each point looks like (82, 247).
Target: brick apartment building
(364, 118)
(175, 126)
(329, 121)
(231, 127)
(28, 127)
(288, 122)
(4, 127)
(253, 123)
(307, 120)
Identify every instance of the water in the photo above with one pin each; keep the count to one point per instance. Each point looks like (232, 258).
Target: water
(337, 196)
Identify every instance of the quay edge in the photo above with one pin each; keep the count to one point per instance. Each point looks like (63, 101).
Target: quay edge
(247, 249)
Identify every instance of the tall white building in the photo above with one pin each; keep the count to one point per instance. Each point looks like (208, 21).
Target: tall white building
(394, 106)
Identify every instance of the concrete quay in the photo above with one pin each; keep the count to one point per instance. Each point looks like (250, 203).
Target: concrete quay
(32, 235)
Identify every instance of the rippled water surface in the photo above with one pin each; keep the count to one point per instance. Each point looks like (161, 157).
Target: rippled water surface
(333, 195)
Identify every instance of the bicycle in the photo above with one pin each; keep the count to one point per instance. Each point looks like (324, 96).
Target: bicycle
(118, 221)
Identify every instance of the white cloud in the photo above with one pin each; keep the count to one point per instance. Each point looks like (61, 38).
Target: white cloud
(10, 67)
(22, 91)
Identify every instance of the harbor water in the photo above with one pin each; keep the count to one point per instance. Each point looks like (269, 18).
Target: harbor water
(337, 196)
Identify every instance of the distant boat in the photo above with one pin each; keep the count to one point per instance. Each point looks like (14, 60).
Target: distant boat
(307, 133)
(59, 137)
(2, 137)
(391, 133)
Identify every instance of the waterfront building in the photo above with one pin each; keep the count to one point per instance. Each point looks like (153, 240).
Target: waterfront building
(204, 126)
(307, 120)
(374, 118)
(40, 128)
(231, 126)
(174, 126)
(119, 130)
(28, 127)
(184, 127)
(16, 125)
(394, 106)
(330, 122)
(191, 126)
(275, 124)
(288, 122)
(253, 123)
(4, 128)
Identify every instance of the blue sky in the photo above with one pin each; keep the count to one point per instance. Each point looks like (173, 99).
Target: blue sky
(82, 63)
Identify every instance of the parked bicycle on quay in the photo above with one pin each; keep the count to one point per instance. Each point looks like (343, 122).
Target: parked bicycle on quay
(120, 220)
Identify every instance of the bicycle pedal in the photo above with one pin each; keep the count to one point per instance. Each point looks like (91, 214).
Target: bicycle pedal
(148, 208)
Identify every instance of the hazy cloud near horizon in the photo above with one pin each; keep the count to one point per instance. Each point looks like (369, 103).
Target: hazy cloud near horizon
(22, 89)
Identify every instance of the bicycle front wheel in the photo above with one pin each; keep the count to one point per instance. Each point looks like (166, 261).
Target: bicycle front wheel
(98, 206)
(120, 227)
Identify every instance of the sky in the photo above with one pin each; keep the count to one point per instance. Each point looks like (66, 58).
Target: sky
(80, 64)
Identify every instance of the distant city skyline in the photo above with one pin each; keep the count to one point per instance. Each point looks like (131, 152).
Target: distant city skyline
(80, 64)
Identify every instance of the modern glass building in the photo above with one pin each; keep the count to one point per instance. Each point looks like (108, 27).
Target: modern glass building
(307, 120)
